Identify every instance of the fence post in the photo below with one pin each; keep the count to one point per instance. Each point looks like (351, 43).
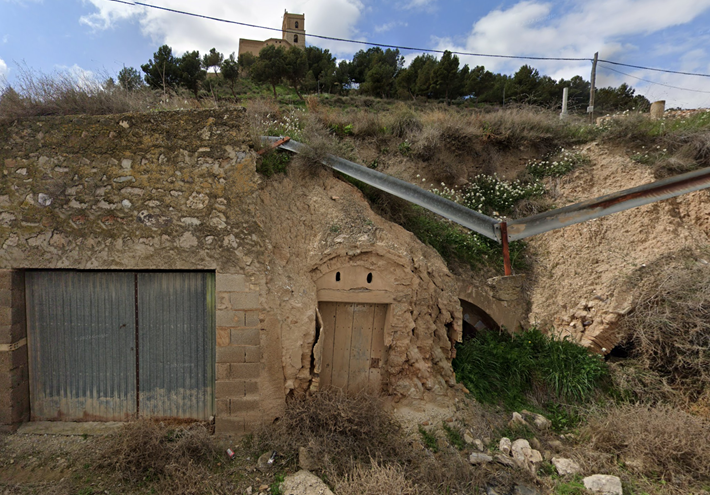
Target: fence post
(565, 95)
(590, 108)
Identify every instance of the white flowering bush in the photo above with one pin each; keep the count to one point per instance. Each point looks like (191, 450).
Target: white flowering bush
(490, 194)
(556, 164)
(287, 124)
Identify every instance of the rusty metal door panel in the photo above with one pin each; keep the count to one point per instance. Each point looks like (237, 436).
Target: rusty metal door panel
(176, 344)
(81, 328)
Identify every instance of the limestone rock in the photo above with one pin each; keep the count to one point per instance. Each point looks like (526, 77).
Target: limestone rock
(467, 438)
(525, 490)
(603, 484)
(565, 466)
(525, 456)
(304, 483)
(517, 420)
(479, 445)
(505, 460)
(504, 445)
(479, 458)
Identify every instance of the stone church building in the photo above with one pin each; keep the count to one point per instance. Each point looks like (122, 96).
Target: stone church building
(293, 33)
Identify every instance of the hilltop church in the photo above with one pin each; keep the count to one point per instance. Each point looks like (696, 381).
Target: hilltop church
(293, 33)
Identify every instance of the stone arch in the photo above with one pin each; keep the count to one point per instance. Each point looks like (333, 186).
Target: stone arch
(500, 299)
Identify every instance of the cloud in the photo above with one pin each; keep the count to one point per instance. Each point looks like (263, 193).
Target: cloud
(389, 26)
(419, 4)
(4, 71)
(573, 29)
(335, 18)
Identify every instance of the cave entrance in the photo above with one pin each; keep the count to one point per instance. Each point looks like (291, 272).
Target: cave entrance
(476, 320)
(353, 346)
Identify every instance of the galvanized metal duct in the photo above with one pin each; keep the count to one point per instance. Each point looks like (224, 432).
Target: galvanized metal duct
(524, 227)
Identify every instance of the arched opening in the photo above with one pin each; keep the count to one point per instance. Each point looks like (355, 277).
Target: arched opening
(476, 320)
(295, 38)
(296, 24)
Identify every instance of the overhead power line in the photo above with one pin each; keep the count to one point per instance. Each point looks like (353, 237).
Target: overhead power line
(655, 69)
(654, 82)
(344, 40)
(401, 47)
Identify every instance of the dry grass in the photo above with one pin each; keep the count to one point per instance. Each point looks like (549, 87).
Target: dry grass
(669, 330)
(339, 431)
(377, 479)
(658, 442)
(145, 448)
(71, 93)
(360, 447)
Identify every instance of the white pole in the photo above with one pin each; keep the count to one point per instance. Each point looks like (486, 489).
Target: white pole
(565, 94)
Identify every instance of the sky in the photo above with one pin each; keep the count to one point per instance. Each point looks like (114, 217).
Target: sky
(96, 38)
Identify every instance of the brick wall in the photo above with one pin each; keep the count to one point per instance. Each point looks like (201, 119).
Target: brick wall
(238, 355)
(14, 376)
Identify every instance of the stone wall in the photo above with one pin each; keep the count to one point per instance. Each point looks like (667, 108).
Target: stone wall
(179, 190)
(14, 375)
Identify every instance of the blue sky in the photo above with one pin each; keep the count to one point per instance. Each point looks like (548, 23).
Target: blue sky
(98, 37)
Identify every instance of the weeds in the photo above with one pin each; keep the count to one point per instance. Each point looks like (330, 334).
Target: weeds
(144, 450)
(454, 437)
(498, 367)
(429, 440)
(658, 442)
(273, 162)
(669, 330)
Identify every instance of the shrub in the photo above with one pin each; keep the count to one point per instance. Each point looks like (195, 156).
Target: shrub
(556, 164)
(145, 448)
(669, 329)
(653, 441)
(499, 367)
(341, 431)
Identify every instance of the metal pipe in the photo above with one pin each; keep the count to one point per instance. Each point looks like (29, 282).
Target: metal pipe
(608, 204)
(506, 251)
(466, 217)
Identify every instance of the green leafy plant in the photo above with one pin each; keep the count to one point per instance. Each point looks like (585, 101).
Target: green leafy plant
(499, 367)
(275, 488)
(429, 440)
(273, 162)
(405, 148)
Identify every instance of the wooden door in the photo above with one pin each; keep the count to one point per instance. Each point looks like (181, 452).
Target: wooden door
(353, 346)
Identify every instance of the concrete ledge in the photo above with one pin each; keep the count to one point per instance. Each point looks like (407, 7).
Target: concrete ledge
(67, 428)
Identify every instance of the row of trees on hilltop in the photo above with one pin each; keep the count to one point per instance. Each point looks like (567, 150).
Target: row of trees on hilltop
(374, 72)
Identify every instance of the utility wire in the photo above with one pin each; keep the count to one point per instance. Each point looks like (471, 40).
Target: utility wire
(400, 47)
(655, 69)
(654, 82)
(360, 42)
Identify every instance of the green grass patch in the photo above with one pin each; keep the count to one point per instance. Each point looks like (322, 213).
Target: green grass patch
(503, 368)
(454, 436)
(429, 440)
(454, 243)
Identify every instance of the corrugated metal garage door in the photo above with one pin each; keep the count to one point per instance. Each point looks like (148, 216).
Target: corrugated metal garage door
(110, 345)
(176, 355)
